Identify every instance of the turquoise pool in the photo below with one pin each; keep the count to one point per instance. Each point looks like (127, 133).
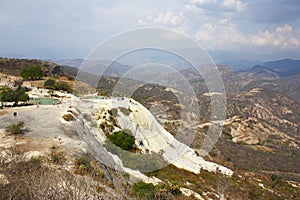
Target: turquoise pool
(93, 97)
(44, 101)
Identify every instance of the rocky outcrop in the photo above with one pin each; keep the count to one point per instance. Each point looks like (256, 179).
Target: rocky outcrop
(150, 136)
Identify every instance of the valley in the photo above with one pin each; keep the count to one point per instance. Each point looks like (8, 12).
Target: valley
(255, 157)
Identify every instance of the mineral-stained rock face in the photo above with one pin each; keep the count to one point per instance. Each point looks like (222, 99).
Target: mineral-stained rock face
(150, 136)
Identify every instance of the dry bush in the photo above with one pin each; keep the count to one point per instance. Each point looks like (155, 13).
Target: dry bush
(69, 117)
(32, 180)
(40, 179)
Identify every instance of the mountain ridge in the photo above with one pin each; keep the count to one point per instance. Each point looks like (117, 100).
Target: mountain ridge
(279, 68)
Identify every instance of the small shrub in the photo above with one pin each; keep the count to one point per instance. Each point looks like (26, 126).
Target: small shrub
(275, 179)
(82, 161)
(82, 169)
(75, 92)
(173, 182)
(149, 191)
(62, 85)
(122, 139)
(126, 176)
(256, 193)
(56, 157)
(16, 128)
(99, 173)
(175, 190)
(49, 84)
(36, 160)
(144, 190)
(227, 134)
(82, 165)
(200, 191)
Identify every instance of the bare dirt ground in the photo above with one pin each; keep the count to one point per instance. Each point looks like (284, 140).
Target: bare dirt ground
(47, 134)
(44, 129)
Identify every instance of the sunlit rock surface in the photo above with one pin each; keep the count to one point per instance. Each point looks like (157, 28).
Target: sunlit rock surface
(149, 134)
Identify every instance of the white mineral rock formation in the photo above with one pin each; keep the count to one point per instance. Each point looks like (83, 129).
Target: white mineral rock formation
(151, 136)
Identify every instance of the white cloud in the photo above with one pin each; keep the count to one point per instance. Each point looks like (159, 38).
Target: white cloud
(189, 17)
(168, 18)
(283, 37)
(239, 6)
(218, 7)
(203, 1)
(226, 35)
(192, 7)
(220, 35)
(222, 31)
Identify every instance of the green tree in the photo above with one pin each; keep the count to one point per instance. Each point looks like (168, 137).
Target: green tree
(31, 73)
(10, 95)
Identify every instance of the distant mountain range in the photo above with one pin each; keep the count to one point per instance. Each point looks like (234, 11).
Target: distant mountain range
(286, 67)
(273, 69)
(113, 69)
(132, 59)
(243, 60)
(237, 61)
(70, 62)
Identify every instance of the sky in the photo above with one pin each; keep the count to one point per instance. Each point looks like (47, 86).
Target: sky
(57, 29)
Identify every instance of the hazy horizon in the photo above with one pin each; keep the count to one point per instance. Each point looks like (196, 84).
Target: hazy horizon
(71, 29)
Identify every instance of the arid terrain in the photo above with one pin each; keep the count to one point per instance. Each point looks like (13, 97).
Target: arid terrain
(56, 155)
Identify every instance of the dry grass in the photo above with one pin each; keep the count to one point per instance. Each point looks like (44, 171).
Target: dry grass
(3, 112)
(245, 187)
(41, 178)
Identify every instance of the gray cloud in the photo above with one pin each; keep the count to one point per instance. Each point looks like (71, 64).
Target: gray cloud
(65, 28)
(275, 11)
(218, 7)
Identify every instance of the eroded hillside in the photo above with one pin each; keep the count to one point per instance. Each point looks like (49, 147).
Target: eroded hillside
(259, 142)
